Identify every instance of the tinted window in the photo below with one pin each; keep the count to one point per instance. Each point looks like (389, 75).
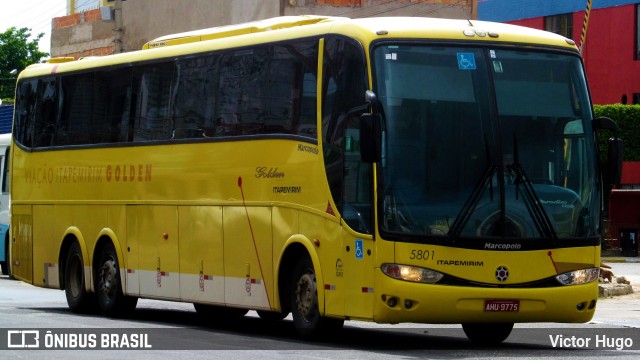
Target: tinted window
(266, 89)
(152, 115)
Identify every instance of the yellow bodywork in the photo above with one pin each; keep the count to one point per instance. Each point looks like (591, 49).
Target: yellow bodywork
(208, 221)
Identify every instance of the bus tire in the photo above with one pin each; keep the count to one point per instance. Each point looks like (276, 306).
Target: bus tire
(111, 299)
(487, 333)
(304, 304)
(79, 299)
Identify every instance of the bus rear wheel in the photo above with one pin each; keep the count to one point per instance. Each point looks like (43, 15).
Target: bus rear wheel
(304, 304)
(111, 299)
(487, 333)
(79, 299)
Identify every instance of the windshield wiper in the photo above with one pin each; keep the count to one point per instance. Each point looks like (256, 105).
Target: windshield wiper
(474, 199)
(531, 200)
(471, 203)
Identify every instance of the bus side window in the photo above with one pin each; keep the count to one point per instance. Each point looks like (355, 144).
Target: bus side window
(74, 126)
(47, 113)
(193, 111)
(25, 111)
(153, 112)
(268, 90)
(112, 106)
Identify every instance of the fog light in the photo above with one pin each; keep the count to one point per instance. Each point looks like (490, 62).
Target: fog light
(392, 302)
(592, 304)
(408, 304)
(581, 306)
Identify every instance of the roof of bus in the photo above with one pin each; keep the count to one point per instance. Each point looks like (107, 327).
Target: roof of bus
(365, 30)
(410, 27)
(219, 32)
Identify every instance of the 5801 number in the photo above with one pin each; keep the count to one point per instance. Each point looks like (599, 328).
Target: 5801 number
(422, 255)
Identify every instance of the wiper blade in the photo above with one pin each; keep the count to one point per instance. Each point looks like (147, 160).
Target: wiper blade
(532, 201)
(471, 203)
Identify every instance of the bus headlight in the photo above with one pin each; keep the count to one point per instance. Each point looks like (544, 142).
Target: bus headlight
(411, 273)
(578, 277)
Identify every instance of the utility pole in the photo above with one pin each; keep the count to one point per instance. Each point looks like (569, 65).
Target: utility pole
(118, 27)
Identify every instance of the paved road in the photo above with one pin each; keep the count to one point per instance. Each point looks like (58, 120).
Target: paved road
(176, 326)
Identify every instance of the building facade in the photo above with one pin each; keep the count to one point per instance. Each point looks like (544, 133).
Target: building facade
(92, 27)
(610, 43)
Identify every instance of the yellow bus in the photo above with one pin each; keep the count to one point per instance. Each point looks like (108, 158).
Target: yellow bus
(384, 169)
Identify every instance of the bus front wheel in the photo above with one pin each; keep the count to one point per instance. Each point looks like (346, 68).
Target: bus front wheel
(78, 298)
(304, 303)
(487, 333)
(111, 299)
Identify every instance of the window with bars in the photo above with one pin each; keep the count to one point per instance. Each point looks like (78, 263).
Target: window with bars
(560, 24)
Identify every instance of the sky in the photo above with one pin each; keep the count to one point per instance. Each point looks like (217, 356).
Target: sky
(33, 14)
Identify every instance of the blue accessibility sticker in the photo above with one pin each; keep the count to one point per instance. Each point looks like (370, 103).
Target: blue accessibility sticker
(359, 249)
(466, 61)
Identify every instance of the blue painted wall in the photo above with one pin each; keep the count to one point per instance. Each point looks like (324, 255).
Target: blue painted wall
(6, 117)
(508, 10)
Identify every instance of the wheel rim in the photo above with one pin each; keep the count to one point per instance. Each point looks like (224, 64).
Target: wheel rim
(306, 296)
(108, 280)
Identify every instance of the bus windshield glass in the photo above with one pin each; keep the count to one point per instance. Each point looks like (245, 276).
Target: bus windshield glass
(482, 143)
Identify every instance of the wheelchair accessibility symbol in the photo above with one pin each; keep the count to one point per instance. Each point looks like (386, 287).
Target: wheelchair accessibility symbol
(359, 249)
(466, 61)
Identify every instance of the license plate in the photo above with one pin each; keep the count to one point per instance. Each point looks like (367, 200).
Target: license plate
(502, 305)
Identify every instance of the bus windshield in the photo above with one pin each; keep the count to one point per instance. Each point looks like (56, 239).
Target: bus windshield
(482, 142)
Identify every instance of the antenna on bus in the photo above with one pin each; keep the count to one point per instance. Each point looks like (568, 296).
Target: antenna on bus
(470, 23)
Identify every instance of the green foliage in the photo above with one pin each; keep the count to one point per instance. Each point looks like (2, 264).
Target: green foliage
(628, 119)
(17, 52)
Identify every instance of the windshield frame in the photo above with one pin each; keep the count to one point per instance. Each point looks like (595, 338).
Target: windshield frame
(480, 242)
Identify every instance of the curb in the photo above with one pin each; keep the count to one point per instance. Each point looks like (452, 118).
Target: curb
(606, 259)
(610, 290)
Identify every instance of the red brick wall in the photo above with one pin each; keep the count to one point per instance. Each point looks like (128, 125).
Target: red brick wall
(100, 51)
(74, 19)
(109, 50)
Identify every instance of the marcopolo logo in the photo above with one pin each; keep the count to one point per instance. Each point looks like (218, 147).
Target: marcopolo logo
(496, 246)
